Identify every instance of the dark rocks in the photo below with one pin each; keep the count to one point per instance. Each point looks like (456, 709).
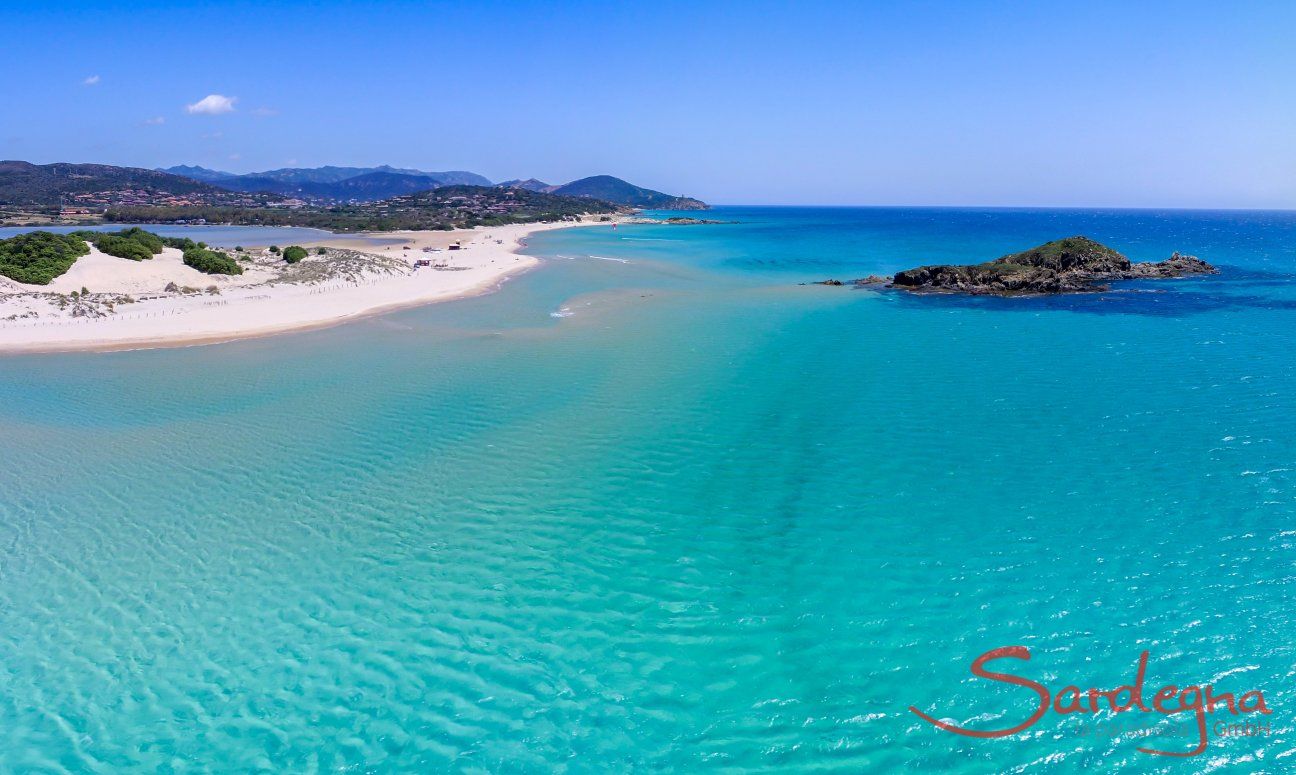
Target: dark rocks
(996, 281)
(682, 203)
(1072, 265)
(873, 279)
(677, 220)
(1177, 265)
(682, 221)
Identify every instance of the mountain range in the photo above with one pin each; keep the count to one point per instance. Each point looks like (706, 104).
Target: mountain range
(96, 185)
(606, 188)
(370, 184)
(364, 184)
(51, 185)
(530, 184)
(609, 189)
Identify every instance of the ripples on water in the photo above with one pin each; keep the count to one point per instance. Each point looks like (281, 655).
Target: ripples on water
(712, 520)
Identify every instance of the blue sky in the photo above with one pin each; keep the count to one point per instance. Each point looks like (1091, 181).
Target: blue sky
(1068, 104)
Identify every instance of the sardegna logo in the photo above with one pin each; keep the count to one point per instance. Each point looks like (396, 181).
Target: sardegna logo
(1168, 701)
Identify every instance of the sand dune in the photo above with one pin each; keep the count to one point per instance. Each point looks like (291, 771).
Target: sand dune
(129, 306)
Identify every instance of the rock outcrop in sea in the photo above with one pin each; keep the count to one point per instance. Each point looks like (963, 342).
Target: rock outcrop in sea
(1071, 265)
(674, 221)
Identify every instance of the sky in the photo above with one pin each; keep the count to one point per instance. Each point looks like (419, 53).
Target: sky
(1147, 104)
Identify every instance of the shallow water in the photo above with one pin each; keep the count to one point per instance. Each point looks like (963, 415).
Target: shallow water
(707, 518)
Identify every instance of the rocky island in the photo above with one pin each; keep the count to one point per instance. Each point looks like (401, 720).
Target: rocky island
(673, 221)
(1071, 265)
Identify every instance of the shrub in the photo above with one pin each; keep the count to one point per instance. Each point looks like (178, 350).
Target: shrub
(274, 248)
(122, 247)
(320, 251)
(294, 253)
(39, 256)
(182, 243)
(211, 261)
(133, 243)
(146, 238)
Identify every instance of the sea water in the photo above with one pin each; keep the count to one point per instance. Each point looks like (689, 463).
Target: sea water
(707, 518)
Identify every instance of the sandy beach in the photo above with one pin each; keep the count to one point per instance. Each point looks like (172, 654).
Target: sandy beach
(163, 303)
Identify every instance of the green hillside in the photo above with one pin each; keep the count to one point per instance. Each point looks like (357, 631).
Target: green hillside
(618, 191)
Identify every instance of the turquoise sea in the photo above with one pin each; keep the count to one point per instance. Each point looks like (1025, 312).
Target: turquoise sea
(656, 506)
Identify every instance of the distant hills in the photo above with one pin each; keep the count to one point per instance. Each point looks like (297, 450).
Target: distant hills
(606, 188)
(446, 207)
(530, 184)
(198, 173)
(370, 184)
(98, 185)
(615, 190)
(339, 174)
(363, 184)
(94, 185)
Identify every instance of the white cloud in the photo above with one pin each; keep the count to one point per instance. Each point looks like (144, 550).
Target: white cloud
(265, 112)
(155, 121)
(212, 105)
(213, 135)
(91, 81)
(235, 156)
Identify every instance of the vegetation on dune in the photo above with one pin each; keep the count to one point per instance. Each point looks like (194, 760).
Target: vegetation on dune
(123, 247)
(294, 253)
(211, 261)
(183, 243)
(154, 242)
(38, 257)
(133, 243)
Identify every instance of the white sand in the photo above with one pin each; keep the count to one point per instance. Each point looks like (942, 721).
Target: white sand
(102, 273)
(31, 319)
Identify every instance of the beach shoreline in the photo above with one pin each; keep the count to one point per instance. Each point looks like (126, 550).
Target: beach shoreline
(232, 309)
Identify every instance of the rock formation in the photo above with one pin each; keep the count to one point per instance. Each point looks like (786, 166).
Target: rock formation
(1071, 265)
